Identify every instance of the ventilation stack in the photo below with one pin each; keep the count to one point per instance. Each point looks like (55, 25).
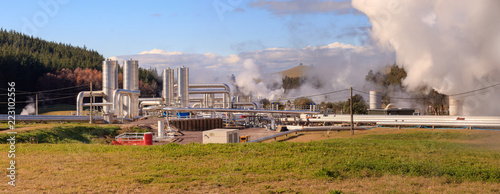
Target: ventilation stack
(375, 100)
(455, 106)
(109, 81)
(168, 86)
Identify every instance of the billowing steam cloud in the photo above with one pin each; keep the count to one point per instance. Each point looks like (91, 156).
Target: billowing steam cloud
(252, 82)
(451, 46)
(30, 108)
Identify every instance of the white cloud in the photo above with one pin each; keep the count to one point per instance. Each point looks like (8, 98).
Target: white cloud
(160, 52)
(334, 66)
(304, 6)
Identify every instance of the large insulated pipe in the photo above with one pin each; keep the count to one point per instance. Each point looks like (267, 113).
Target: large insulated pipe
(226, 99)
(226, 93)
(168, 86)
(238, 104)
(455, 106)
(109, 81)
(79, 99)
(375, 100)
(118, 94)
(183, 88)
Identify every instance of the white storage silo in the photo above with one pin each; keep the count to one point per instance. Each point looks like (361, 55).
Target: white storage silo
(455, 106)
(168, 85)
(183, 86)
(109, 81)
(131, 82)
(375, 100)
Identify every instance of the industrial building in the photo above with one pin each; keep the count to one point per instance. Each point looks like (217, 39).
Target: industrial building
(376, 106)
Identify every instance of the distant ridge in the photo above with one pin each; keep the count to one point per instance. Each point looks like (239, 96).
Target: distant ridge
(298, 71)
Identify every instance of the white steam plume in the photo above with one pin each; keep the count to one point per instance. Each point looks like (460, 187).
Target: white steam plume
(30, 108)
(451, 46)
(252, 81)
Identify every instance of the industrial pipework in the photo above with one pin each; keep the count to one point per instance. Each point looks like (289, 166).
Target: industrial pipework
(112, 96)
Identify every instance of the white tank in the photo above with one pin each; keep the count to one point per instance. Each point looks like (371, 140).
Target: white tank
(183, 86)
(131, 82)
(455, 106)
(375, 100)
(168, 85)
(109, 81)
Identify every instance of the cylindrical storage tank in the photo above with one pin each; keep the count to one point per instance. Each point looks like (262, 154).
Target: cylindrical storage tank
(183, 86)
(131, 82)
(168, 85)
(109, 81)
(455, 106)
(135, 99)
(161, 129)
(148, 138)
(375, 100)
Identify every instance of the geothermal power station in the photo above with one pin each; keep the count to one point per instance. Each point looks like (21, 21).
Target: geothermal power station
(200, 107)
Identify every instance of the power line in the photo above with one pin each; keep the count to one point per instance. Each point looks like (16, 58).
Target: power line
(49, 99)
(484, 88)
(45, 91)
(333, 92)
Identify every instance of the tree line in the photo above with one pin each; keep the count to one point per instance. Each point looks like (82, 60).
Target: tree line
(36, 65)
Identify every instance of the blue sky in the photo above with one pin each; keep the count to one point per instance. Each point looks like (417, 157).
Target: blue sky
(116, 28)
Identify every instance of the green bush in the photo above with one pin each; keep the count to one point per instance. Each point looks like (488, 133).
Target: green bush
(63, 134)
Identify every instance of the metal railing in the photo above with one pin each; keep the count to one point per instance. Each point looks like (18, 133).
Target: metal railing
(129, 136)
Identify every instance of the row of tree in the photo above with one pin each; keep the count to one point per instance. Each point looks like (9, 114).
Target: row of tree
(38, 65)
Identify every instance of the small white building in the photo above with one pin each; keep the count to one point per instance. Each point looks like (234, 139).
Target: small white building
(221, 136)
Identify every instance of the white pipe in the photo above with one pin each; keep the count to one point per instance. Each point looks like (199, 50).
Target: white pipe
(150, 99)
(83, 94)
(98, 104)
(117, 95)
(198, 104)
(225, 86)
(145, 103)
(226, 93)
(255, 106)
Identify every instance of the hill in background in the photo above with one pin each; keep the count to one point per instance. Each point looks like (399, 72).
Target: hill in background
(295, 72)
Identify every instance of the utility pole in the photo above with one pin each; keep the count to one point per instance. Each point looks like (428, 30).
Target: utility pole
(36, 103)
(352, 115)
(91, 102)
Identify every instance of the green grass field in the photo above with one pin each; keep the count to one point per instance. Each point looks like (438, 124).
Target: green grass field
(410, 161)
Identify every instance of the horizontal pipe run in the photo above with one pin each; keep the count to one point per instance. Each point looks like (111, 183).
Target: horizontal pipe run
(304, 129)
(236, 110)
(98, 104)
(5, 117)
(274, 136)
(150, 99)
(441, 124)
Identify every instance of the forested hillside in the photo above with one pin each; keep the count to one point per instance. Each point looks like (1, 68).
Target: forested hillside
(60, 70)
(24, 59)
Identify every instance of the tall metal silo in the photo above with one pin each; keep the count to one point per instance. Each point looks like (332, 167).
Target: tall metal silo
(183, 86)
(375, 100)
(109, 81)
(168, 86)
(455, 106)
(131, 82)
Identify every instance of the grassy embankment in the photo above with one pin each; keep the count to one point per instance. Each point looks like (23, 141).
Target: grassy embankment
(406, 161)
